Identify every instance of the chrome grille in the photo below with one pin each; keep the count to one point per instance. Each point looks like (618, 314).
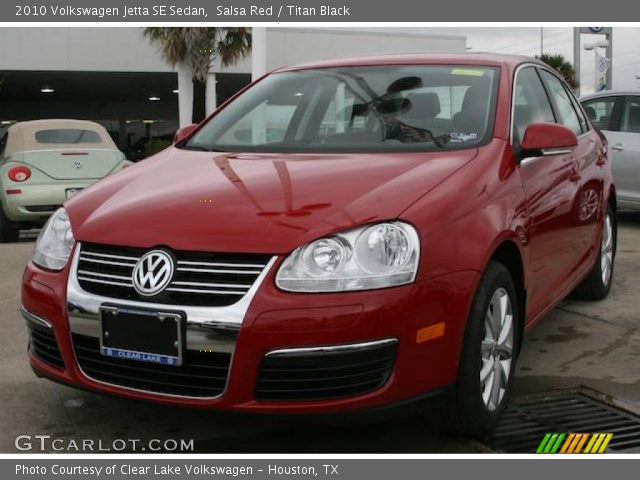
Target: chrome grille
(200, 279)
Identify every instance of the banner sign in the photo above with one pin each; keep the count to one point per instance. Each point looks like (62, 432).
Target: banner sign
(602, 65)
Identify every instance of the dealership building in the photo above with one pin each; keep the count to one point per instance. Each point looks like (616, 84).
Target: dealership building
(116, 77)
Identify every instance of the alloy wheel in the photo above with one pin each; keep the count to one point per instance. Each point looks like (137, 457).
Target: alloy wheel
(606, 250)
(496, 350)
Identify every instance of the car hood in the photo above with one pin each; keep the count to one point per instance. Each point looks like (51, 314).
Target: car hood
(261, 203)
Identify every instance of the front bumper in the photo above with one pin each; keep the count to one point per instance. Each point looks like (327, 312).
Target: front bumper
(277, 322)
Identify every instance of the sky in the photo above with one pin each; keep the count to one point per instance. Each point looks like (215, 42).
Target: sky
(526, 41)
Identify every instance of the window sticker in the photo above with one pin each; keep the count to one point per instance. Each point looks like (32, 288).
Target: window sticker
(461, 137)
(469, 72)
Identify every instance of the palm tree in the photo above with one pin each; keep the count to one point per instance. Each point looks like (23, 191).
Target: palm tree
(192, 52)
(562, 66)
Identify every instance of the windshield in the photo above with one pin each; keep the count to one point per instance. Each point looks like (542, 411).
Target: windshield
(358, 109)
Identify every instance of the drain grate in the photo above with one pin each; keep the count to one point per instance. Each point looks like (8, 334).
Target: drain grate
(528, 419)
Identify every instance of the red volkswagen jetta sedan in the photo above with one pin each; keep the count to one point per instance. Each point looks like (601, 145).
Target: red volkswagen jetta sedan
(340, 235)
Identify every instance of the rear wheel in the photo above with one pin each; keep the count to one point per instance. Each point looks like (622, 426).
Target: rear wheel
(9, 232)
(597, 284)
(488, 356)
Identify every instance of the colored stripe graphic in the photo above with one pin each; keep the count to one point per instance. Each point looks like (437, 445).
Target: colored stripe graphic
(574, 442)
(605, 442)
(568, 442)
(581, 443)
(550, 443)
(556, 445)
(543, 443)
(591, 442)
(598, 442)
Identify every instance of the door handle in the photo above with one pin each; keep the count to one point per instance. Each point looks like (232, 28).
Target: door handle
(618, 147)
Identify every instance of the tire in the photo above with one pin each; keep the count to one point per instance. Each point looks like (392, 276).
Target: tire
(8, 230)
(478, 404)
(597, 284)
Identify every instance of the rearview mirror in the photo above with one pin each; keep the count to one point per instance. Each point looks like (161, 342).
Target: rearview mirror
(184, 133)
(543, 139)
(404, 83)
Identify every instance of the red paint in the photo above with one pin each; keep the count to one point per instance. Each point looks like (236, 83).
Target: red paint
(465, 205)
(540, 136)
(184, 133)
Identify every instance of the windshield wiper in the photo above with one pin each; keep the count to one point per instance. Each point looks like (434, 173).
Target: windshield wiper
(198, 148)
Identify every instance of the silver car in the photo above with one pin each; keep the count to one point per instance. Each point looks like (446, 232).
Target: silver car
(617, 115)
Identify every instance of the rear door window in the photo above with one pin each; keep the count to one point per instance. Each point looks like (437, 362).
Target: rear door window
(630, 121)
(67, 136)
(576, 105)
(600, 112)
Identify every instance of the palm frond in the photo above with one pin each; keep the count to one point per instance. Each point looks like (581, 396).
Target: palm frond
(234, 46)
(560, 64)
(200, 46)
(171, 43)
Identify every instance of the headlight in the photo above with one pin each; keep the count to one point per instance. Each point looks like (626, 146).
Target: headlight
(55, 242)
(375, 256)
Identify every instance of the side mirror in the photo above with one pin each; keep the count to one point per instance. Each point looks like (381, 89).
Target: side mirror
(184, 132)
(543, 139)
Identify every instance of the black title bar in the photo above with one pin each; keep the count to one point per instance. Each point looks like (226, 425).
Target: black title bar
(245, 12)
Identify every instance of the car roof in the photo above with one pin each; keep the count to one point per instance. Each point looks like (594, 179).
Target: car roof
(610, 93)
(22, 135)
(476, 59)
(55, 123)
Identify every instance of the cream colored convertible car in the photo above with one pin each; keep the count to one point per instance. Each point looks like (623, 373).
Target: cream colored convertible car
(44, 162)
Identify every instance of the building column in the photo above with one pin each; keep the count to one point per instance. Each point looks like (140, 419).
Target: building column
(210, 94)
(340, 103)
(258, 52)
(185, 94)
(258, 69)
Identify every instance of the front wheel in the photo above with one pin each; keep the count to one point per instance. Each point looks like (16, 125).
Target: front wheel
(488, 356)
(597, 284)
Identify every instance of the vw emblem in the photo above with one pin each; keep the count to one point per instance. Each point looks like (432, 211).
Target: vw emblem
(153, 272)
(77, 165)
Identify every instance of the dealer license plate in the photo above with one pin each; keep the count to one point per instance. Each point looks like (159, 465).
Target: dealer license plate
(140, 335)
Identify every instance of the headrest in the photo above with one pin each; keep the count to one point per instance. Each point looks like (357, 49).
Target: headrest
(634, 119)
(423, 105)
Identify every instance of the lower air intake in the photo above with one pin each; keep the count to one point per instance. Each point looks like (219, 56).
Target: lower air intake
(317, 374)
